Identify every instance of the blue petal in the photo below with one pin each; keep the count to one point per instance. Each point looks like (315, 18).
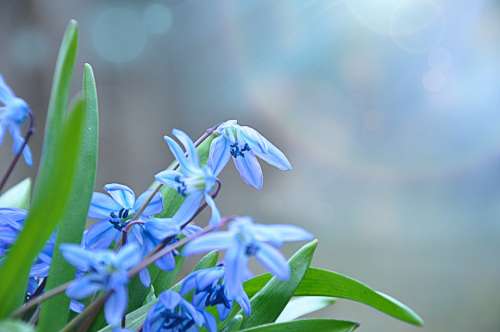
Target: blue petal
(249, 170)
(210, 322)
(115, 306)
(277, 234)
(145, 277)
(101, 206)
(168, 177)
(162, 228)
(155, 206)
(191, 230)
(84, 287)
(273, 261)
(244, 302)
(188, 207)
(128, 256)
(220, 152)
(6, 94)
(208, 242)
(235, 263)
(122, 194)
(170, 299)
(100, 235)
(167, 262)
(188, 145)
(265, 149)
(18, 142)
(185, 165)
(215, 217)
(77, 256)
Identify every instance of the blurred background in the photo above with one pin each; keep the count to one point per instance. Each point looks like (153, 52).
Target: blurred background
(388, 111)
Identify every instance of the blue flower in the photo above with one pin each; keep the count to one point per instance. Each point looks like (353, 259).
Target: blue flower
(149, 233)
(172, 313)
(244, 145)
(243, 240)
(102, 270)
(113, 212)
(192, 181)
(11, 224)
(210, 290)
(12, 115)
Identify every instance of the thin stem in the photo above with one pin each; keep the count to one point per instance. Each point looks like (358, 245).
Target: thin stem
(13, 164)
(39, 299)
(89, 312)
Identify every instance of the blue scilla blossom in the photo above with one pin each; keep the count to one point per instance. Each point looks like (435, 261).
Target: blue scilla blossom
(148, 233)
(244, 145)
(114, 211)
(11, 224)
(13, 114)
(193, 181)
(209, 290)
(102, 270)
(172, 313)
(245, 239)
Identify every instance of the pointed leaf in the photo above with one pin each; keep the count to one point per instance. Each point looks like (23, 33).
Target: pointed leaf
(323, 325)
(304, 305)
(17, 196)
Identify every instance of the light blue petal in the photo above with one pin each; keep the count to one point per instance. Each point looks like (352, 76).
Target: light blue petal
(244, 302)
(249, 170)
(128, 256)
(155, 206)
(210, 322)
(191, 230)
(6, 93)
(277, 234)
(18, 141)
(115, 306)
(168, 177)
(77, 256)
(235, 263)
(265, 149)
(84, 287)
(208, 242)
(272, 259)
(166, 263)
(185, 165)
(122, 194)
(188, 145)
(170, 299)
(145, 277)
(215, 218)
(162, 228)
(220, 152)
(188, 208)
(100, 235)
(101, 206)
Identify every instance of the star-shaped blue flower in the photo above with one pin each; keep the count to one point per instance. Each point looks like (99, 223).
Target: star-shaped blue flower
(210, 290)
(113, 212)
(13, 114)
(102, 270)
(245, 239)
(192, 181)
(244, 145)
(11, 224)
(172, 313)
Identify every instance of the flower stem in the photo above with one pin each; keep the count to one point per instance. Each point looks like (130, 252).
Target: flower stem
(13, 164)
(39, 299)
(86, 316)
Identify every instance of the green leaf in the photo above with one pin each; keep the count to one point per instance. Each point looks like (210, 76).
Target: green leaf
(304, 305)
(207, 261)
(234, 324)
(15, 326)
(165, 280)
(56, 176)
(55, 312)
(319, 282)
(17, 196)
(269, 302)
(323, 325)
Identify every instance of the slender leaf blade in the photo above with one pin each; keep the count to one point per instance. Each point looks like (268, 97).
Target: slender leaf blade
(304, 305)
(53, 183)
(323, 325)
(15, 326)
(320, 282)
(55, 312)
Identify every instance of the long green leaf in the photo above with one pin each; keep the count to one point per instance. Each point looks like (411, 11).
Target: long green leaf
(165, 279)
(323, 325)
(269, 302)
(15, 326)
(55, 312)
(320, 282)
(54, 181)
(304, 305)
(17, 196)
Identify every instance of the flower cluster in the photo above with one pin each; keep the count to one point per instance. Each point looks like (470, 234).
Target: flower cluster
(128, 233)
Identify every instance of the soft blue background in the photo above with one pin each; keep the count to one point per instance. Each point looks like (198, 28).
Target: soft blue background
(388, 110)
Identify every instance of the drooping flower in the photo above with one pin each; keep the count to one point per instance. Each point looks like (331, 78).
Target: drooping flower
(244, 145)
(113, 212)
(102, 270)
(245, 239)
(148, 233)
(13, 114)
(210, 290)
(11, 224)
(172, 313)
(192, 181)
